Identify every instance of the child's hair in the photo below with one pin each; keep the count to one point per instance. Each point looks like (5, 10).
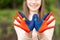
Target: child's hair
(41, 9)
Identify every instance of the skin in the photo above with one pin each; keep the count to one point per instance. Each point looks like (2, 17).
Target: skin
(33, 5)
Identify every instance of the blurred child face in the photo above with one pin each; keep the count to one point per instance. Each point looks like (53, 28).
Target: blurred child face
(33, 5)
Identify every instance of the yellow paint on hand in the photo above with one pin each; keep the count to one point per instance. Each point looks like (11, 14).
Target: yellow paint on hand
(24, 19)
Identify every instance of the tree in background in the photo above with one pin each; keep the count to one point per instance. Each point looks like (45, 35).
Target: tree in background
(13, 4)
(50, 4)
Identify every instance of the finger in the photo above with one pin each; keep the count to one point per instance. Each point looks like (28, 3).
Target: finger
(25, 28)
(48, 16)
(35, 18)
(37, 24)
(17, 19)
(44, 17)
(21, 14)
(17, 25)
(20, 26)
(46, 28)
(18, 15)
(49, 27)
(24, 16)
(50, 21)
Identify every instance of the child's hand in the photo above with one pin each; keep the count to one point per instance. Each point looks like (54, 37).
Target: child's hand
(42, 25)
(25, 25)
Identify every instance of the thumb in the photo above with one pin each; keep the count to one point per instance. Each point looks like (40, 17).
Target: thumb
(37, 26)
(35, 18)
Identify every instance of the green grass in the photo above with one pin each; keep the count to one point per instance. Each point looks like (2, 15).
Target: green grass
(7, 15)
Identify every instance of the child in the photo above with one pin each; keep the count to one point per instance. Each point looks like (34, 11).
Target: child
(30, 8)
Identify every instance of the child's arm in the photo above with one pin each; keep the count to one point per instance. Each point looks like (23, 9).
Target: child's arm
(48, 34)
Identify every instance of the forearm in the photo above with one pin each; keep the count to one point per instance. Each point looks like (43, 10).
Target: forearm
(47, 35)
(42, 36)
(28, 36)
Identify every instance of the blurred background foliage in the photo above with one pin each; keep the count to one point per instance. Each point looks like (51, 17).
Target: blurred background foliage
(8, 10)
